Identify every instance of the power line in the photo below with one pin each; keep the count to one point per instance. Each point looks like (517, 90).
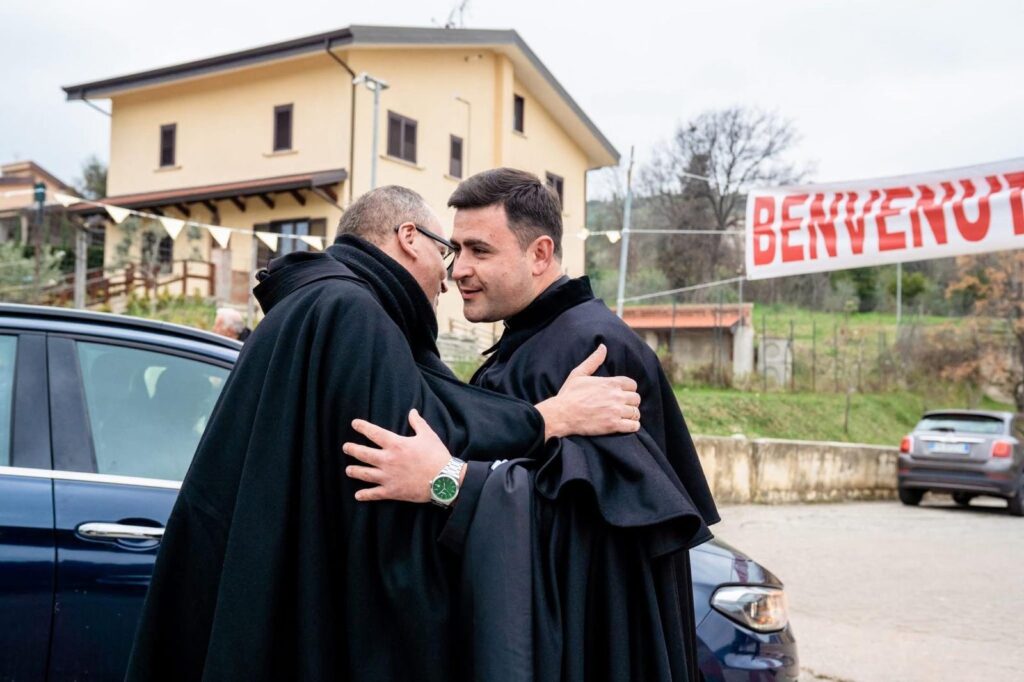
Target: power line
(706, 285)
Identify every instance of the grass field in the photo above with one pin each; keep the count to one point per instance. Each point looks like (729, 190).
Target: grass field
(775, 319)
(881, 419)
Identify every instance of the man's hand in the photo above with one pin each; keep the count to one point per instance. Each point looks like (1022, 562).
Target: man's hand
(402, 467)
(592, 406)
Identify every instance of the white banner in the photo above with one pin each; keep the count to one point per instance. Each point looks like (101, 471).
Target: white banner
(220, 234)
(118, 214)
(65, 200)
(816, 228)
(316, 242)
(268, 238)
(173, 226)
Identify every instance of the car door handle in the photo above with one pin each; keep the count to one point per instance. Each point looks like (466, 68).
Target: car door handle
(120, 531)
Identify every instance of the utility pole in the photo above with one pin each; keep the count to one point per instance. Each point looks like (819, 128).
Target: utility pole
(375, 85)
(39, 194)
(81, 251)
(899, 293)
(469, 126)
(624, 252)
(250, 313)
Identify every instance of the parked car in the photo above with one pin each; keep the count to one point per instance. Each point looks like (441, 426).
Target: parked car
(967, 453)
(99, 418)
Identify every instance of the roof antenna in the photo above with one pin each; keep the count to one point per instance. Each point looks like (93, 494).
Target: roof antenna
(457, 18)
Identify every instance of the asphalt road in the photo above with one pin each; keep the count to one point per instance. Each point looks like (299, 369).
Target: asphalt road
(880, 592)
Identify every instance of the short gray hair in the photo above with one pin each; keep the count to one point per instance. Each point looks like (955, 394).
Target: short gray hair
(232, 319)
(376, 214)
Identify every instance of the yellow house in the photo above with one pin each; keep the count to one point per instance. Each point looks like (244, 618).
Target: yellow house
(280, 138)
(18, 202)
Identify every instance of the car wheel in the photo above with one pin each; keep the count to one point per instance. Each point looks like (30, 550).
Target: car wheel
(963, 499)
(1015, 505)
(911, 496)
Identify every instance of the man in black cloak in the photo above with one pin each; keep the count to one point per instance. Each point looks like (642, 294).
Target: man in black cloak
(270, 569)
(584, 549)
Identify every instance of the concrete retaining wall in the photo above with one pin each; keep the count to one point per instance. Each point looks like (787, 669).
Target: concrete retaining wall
(771, 471)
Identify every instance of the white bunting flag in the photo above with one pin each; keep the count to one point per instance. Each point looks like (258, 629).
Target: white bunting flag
(221, 235)
(268, 238)
(117, 213)
(316, 242)
(65, 200)
(174, 226)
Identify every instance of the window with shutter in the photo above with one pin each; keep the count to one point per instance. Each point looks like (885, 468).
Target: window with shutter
(168, 138)
(455, 157)
(556, 183)
(282, 127)
(401, 137)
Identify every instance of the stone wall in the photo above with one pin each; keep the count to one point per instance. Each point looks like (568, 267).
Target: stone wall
(771, 471)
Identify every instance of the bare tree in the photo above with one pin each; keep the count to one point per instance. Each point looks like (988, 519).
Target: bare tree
(734, 149)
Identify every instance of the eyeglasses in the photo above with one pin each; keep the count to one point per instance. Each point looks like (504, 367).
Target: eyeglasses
(447, 253)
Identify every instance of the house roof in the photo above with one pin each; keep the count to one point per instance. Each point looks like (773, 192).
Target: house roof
(27, 173)
(687, 316)
(322, 181)
(530, 70)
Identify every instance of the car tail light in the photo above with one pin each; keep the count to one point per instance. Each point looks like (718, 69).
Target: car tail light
(1002, 448)
(906, 445)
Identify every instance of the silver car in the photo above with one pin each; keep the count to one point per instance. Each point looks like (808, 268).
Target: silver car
(967, 453)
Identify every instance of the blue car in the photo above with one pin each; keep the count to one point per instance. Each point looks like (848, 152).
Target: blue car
(99, 417)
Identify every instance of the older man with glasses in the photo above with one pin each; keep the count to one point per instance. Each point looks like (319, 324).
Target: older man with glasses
(446, 248)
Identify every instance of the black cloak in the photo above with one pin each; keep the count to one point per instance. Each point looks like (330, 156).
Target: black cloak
(597, 532)
(269, 569)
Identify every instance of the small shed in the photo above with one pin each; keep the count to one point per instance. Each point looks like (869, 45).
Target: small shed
(698, 337)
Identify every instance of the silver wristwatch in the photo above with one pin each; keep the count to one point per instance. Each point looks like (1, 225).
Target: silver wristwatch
(445, 486)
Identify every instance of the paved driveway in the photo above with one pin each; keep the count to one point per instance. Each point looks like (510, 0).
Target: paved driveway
(883, 592)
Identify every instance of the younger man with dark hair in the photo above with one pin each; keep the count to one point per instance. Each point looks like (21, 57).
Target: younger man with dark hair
(590, 578)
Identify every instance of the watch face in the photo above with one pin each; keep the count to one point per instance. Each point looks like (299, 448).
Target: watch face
(444, 488)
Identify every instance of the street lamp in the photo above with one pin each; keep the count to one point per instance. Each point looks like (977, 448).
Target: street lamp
(469, 122)
(614, 236)
(376, 86)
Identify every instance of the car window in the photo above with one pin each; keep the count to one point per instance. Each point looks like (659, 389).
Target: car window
(8, 352)
(146, 409)
(963, 423)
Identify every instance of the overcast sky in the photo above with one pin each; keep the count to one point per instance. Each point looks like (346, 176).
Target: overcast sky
(875, 88)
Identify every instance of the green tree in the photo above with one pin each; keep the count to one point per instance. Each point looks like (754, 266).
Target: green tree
(914, 284)
(18, 281)
(93, 183)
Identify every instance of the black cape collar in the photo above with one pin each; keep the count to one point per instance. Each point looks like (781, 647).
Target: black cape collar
(289, 273)
(358, 260)
(565, 293)
(396, 289)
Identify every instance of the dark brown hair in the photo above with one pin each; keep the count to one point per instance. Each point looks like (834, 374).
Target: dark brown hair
(532, 209)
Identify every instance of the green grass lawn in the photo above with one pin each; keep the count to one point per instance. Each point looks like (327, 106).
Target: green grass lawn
(775, 319)
(881, 419)
(849, 328)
